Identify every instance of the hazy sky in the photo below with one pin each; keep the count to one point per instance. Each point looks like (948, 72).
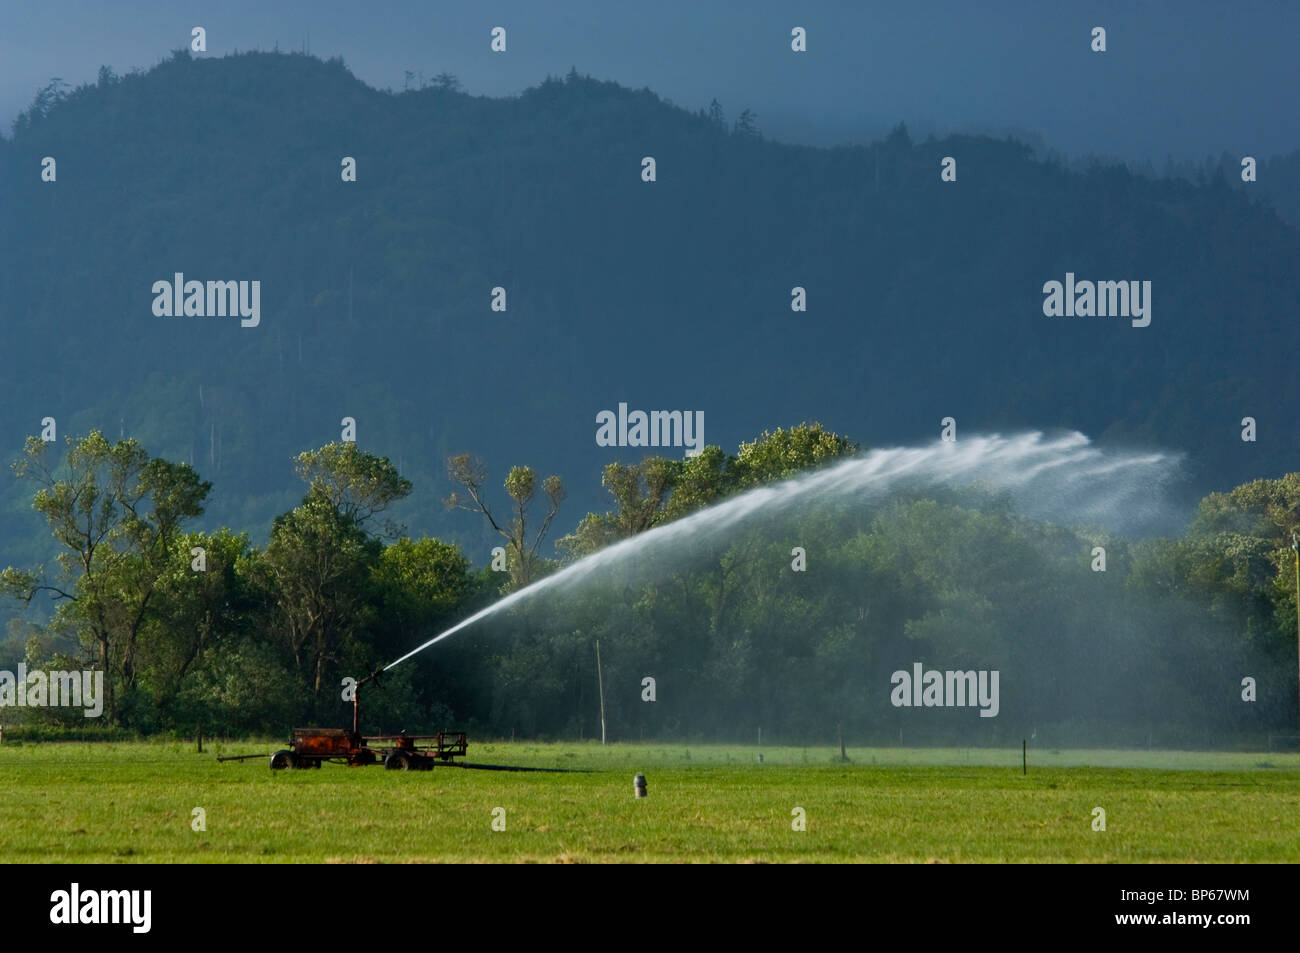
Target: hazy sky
(1179, 78)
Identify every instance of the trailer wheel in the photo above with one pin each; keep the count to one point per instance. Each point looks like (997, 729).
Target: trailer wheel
(398, 761)
(283, 759)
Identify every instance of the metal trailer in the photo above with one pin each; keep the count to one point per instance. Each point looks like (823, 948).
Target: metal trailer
(311, 747)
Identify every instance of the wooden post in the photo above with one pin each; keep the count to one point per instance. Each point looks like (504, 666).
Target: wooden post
(200, 741)
(1024, 756)
(840, 728)
(600, 681)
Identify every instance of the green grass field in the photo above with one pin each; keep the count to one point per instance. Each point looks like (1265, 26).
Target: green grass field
(95, 803)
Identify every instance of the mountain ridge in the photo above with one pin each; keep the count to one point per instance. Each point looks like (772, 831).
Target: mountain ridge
(924, 297)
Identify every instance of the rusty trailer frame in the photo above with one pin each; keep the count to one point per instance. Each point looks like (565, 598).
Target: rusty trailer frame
(312, 747)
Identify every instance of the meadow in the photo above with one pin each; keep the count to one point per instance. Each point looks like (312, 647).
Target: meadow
(135, 803)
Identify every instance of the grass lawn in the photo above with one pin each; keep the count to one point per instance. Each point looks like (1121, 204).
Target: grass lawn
(95, 803)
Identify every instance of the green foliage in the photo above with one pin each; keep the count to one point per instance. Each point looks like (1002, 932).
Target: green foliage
(116, 514)
(205, 631)
(523, 561)
(659, 490)
(784, 453)
(640, 492)
(357, 484)
(318, 565)
(702, 479)
(1161, 639)
(420, 586)
(201, 614)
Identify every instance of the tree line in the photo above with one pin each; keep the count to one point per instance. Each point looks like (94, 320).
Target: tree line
(206, 632)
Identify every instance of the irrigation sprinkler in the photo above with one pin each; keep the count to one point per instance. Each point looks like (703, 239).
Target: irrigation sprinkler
(312, 747)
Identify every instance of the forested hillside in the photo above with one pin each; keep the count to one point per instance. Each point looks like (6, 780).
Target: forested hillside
(924, 297)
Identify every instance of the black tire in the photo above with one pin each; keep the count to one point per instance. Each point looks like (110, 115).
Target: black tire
(398, 761)
(283, 759)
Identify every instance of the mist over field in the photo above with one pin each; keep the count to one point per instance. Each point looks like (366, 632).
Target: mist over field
(793, 607)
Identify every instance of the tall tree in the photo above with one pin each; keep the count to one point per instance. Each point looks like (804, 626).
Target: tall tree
(780, 454)
(205, 603)
(715, 115)
(319, 562)
(318, 565)
(640, 493)
(446, 82)
(521, 486)
(356, 483)
(421, 582)
(747, 125)
(117, 513)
